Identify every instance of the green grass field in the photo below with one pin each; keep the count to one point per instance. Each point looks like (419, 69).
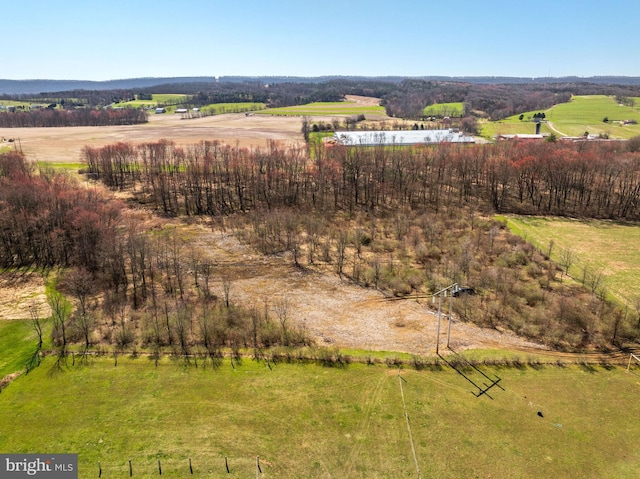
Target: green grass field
(602, 246)
(17, 344)
(326, 109)
(73, 167)
(581, 114)
(444, 109)
(25, 104)
(162, 98)
(219, 108)
(510, 126)
(315, 422)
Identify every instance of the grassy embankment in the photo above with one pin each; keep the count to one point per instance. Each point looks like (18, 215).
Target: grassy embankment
(310, 421)
(581, 114)
(603, 247)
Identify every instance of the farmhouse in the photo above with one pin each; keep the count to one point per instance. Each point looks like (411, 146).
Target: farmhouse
(160, 110)
(402, 137)
(181, 110)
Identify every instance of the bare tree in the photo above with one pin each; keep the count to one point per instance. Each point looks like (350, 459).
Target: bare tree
(281, 307)
(34, 312)
(341, 246)
(60, 310)
(595, 280)
(226, 287)
(567, 258)
(80, 282)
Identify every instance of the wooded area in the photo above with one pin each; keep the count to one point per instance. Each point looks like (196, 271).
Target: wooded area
(49, 117)
(406, 221)
(596, 180)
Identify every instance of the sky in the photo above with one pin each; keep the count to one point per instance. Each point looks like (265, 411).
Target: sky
(118, 39)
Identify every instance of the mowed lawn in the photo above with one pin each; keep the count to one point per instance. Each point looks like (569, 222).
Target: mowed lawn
(582, 114)
(308, 421)
(606, 247)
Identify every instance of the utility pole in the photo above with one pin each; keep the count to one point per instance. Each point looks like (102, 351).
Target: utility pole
(439, 294)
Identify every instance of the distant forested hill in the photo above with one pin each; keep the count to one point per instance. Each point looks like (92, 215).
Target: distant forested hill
(20, 87)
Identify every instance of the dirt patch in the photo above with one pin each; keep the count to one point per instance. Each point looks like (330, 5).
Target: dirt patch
(19, 293)
(5, 381)
(363, 100)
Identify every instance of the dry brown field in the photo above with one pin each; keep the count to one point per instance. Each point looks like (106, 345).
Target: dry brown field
(64, 145)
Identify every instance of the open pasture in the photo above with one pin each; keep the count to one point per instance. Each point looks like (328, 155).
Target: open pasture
(353, 105)
(157, 99)
(221, 108)
(169, 100)
(317, 422)
(586, 113)
(444, 109)
(511, 126)
(582, 114)
(602, 247)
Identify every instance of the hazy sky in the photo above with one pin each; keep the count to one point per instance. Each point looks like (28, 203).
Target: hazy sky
(115, 39)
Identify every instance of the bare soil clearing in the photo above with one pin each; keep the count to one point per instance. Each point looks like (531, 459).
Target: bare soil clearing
(336, 312)
(363, 100)
(19, 292)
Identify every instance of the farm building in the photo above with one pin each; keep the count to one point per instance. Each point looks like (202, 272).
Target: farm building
(520, 137)
(402, 137)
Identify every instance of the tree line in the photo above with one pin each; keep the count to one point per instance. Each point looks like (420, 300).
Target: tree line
(598, 179)
(81, 117)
